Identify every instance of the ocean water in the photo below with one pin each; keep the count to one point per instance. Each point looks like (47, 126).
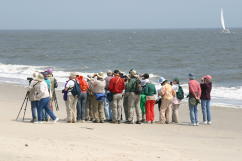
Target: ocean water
(167, 53)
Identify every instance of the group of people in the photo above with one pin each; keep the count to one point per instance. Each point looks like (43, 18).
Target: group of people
(106, 97)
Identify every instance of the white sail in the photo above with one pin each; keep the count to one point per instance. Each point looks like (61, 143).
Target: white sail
(222, 19)
(225, 30)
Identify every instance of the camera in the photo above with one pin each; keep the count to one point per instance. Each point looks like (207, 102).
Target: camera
(29, 79)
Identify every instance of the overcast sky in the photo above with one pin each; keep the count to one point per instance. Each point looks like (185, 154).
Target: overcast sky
(117, 14)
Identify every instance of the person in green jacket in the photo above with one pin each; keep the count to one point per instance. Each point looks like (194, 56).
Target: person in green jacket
(132, 90)
(150, 92)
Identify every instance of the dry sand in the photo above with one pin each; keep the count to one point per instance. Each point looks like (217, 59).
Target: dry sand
(24, 141)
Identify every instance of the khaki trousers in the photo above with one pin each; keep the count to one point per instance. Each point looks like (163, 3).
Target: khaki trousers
(71, 108)
(89, 107)
(117, 106)
(165, 111)
(175, 108)
(134, 104)
(98, 110)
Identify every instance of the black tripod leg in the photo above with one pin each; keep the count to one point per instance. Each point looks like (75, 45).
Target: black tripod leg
(22, 107)
(56, 105)
(25, 107)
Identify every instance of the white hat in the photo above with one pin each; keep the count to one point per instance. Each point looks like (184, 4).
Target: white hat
(132, 72)
(35, 74)
(162, 80)
(109, 73)
(100, 75)
(73, 74)
(39, 77)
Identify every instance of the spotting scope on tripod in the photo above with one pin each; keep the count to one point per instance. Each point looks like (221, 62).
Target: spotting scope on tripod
(24, 104)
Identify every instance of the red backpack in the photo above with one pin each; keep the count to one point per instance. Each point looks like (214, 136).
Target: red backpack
(83, 84)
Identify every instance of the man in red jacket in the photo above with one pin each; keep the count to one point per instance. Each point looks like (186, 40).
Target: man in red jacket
(116, 87)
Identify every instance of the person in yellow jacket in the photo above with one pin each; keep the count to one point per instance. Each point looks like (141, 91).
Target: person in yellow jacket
(167, 94)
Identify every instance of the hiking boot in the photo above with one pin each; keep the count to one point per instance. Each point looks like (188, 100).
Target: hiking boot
(96, 121)
(138, 122)
(114, 122)
(167, 122)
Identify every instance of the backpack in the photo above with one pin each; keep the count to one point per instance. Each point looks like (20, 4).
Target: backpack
(138, 87)
(76, 91)
(180, 93)
(55, 83)
(83, 85)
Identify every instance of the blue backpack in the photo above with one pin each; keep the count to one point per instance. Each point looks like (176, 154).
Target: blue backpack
(76, 91)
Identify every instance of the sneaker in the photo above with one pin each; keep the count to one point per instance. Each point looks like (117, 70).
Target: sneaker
(118, 121)
(197, 124)
(205, 122)
(194, 124)
(209, 122)
(101, 121)
(57, 119)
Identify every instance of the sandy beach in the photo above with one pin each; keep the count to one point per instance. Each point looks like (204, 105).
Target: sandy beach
(25, 141)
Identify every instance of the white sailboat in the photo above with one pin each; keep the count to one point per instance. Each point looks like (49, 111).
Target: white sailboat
(225, 30)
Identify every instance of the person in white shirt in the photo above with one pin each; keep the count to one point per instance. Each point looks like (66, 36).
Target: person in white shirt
(32, 96)
(176, 102)
(71, 101)
(44, 97)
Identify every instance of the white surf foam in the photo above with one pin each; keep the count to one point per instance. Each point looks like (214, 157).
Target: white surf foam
(10, 73)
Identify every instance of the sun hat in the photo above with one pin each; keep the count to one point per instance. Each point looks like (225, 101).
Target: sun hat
(162, 80)
(73, 74)
(39, 77)
(208, 77)
(109, 73)
(49, 71)
(132, 72)
(35, 74)
(100, 75)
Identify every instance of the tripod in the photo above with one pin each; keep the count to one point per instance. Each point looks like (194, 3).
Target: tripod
(25, 102)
